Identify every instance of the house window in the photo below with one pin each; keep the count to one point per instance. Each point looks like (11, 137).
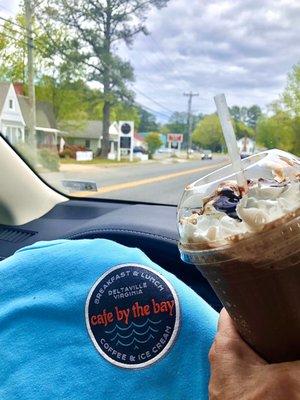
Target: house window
(11, 104)
(88, 143)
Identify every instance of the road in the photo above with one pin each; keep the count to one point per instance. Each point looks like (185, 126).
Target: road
(158, 182)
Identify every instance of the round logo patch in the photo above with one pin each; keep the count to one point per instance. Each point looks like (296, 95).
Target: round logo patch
(132, 315)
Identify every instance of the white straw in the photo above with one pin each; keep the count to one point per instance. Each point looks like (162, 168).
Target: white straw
(230, 138)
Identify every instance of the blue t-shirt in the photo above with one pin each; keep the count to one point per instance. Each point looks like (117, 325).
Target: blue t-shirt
(91, 319)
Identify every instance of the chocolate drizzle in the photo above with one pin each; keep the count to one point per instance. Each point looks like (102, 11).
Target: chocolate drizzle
(226, 202)
(228, 195)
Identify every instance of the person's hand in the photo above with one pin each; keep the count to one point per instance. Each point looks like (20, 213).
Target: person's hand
(238, 373)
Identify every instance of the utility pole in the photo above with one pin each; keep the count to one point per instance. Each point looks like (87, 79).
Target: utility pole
(30, 71)
(189, 122)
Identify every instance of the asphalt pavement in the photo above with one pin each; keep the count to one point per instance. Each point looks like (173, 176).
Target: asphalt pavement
(156, 182)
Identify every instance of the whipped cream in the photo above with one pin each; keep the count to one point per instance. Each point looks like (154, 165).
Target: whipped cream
(214, 211)
(260, 205)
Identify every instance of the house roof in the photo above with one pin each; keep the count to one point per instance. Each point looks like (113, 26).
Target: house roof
(44, 113)
(86, 130)
(139, 137)
(4, 87)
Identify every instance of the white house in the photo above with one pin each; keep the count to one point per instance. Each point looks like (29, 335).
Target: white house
(12, 124)
(14, 117)
(89, 135)
(246, 145)
(15, 114)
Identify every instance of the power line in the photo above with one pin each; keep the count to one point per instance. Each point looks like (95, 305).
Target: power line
(13, 38)
(103, 63)
(157, 89)
(91, 66)
(152, 110)
(6, 9)
(69, 59)
(13, 23)
(166, 60)
(154, 101)
(171, 62)
(14, 30)
(160, 71)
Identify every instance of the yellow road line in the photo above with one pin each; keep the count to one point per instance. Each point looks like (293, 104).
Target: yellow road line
(140, 182)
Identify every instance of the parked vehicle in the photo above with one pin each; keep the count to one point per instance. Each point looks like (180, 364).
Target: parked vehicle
(140, 149)
(244, 154)
(164, 150)
(206, 155)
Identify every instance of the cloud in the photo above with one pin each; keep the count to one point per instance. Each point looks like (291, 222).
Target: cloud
(244, 48)
(8, 7)
(241, 47)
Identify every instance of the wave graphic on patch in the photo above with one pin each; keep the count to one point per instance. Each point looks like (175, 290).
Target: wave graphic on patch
(117, 335)
(133, 324)
(134, 335)
(135, 340)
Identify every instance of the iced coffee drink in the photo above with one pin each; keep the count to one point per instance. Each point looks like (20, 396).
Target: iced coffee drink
(246, 242)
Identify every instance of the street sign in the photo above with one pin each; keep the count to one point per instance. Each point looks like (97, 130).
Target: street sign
(126, 138)
(125, 142)
(125, 128)
(175, 137)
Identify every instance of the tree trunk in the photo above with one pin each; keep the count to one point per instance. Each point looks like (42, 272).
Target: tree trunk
(105, 134)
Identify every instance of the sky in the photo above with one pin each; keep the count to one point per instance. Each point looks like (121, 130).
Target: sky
(243, 48)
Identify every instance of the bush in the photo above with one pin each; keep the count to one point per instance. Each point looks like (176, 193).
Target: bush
(49, 159)
(70, 151)
(154, 142)
(29, 153)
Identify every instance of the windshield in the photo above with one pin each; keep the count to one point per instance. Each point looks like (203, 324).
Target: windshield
(114, 99)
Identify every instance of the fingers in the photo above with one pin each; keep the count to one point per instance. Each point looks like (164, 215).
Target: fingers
(229, 343)
(226, 326)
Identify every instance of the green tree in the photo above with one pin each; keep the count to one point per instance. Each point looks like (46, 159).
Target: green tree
(57, 82)
(178, 123)
(208, 133)
(67, 98)
(242, 130)
(96, 28)
(235, 112)
(238, 113)
(13, 54)
(291, 94)
(282, 129)
(248, 116)
(147, 121)
(277, 131)
(154, 142)
(123, 111)
(296, 130)
(253, 114)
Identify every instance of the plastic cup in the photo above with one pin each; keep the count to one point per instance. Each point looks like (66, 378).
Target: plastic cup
(256, 277)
